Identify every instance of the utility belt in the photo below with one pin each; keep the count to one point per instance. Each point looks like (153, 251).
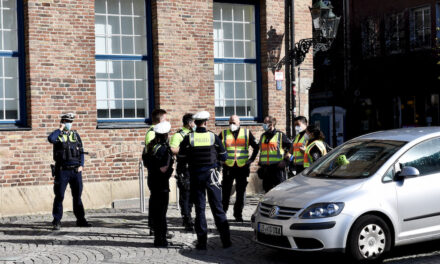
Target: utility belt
(71, 167)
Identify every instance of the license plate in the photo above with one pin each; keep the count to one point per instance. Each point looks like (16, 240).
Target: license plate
(269, 229)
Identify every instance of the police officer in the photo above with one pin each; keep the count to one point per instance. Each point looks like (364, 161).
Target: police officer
(236, 141)
(274, 151)
(160, 167)
(297, 158)
(202, 150)
(157, 116)
(315, 147)
(182, 176)
(68, 155)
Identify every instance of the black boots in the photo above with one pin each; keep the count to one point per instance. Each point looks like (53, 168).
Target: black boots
(201, 242)
(188, 224)
(225, 234)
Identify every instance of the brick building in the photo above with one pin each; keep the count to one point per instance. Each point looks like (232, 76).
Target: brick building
(111, 62)
(384, 67)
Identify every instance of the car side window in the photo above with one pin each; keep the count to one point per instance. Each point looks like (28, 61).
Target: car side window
(389, 175)
(425, 157)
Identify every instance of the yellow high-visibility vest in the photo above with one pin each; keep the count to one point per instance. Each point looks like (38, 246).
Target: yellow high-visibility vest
(237, 149)
(271, 152)
(308, 159)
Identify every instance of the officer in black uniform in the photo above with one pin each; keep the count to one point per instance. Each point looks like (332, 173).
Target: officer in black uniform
(160, 167)
(68, 155)
(202, 150)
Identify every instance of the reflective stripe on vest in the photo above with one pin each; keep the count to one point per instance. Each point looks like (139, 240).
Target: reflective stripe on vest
(201, 139)
(308, 159)
(298, 156)
(63, 138)
(237, 149)
(271, 152)
(156, 148)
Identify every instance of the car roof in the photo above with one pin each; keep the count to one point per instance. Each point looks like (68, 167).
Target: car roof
(403, 134)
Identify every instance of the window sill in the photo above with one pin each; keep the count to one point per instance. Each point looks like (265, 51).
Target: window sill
(122, 125)
(242, 123)
(13, 127)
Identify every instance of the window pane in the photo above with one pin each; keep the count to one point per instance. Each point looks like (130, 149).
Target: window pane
(251, 72)
(238, 31)
(127, 45)
(218, 71)
(115, 89)
(140, 26)
(114, 69)
(239, 49)
(127, 25)
(139, 7)
(141, 69)
(101, 69)
(240, 109)
(100, 25)
(239, 72)
(101, 90)
(11, 67)
(10, 40)
(100, 45)
(226, 12)
(140, 108)
(140, 45)
(2, 110)
(227, 30)
(228, 50)
(11, 88)
(219, 111)
(9, 19)
(116, 109)
(239, 90)
(229, 108)
(1, 93)
(126, 7)
(229, 71)
(11, 109)
(128, 69)
(141, 89)
(113, 6)
(9, 3)
(100, 6)
(249, 13)
(251, 108)
(249, 32)
(217, 11)
(229, 90)
(114, 45)
(102, 109)
(250, 50)
(238, 13)
(129, 89)
(218, 33)
(129, 108)
(113, 26)
(220, 92)
(251, 91)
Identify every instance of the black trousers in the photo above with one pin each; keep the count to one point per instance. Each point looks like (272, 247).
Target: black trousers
(183, 183)
(203, 183)
(239, 174)
(158, 211)
(272, 176)
(74, 179)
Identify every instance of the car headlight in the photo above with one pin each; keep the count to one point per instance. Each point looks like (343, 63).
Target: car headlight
(322, 210)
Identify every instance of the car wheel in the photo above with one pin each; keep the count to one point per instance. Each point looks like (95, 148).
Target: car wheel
(369, 239)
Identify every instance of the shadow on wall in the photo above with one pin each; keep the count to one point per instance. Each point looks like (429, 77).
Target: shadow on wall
(274, 44)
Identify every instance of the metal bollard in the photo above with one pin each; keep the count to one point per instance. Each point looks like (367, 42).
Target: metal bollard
(141, 187)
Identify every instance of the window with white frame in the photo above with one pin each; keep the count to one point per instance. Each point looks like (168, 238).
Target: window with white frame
(421, 27)
(10, 57)
(395, 33)
(370, 34)
(121, 59)
(235, 60)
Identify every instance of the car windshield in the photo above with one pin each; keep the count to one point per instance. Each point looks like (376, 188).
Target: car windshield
(355, 160)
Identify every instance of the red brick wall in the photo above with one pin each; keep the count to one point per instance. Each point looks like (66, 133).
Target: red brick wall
(60, 77)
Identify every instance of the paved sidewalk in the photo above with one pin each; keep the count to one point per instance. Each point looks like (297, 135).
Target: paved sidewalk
(121, 236)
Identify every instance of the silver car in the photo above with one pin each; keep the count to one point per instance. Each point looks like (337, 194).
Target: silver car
(372, 193)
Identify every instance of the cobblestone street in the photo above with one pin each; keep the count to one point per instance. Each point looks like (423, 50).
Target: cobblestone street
(121, 236)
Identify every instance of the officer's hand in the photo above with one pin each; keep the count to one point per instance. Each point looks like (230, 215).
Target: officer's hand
(80, 169)
(302, 149)
(62, 126)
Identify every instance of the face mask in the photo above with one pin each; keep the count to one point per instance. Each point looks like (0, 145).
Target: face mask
(68, 126)
(233, 127)
(265, 127)
(298, 129)
(194, 128)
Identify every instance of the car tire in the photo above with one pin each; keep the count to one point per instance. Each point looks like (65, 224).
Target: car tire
(369, 239)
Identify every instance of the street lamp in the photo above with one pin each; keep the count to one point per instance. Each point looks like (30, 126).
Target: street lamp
(325, 25)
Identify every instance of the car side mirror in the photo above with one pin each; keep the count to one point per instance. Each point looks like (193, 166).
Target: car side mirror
(407, 172)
